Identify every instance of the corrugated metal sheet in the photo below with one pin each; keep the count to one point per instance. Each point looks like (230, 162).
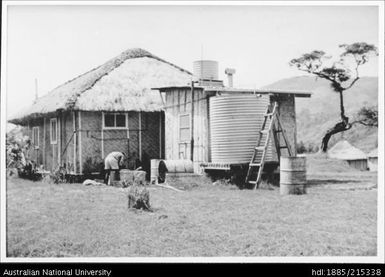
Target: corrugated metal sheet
(205, 69)
(235, 122)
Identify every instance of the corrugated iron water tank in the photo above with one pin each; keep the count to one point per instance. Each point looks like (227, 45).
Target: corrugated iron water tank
(206, 69)
(235, 122)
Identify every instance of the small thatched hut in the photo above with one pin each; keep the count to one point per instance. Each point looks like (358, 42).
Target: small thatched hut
(343, 150)
(110, 108)
(373, 160)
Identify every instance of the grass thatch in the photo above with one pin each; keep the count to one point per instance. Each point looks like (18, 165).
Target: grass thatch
(373, 153)
(122, 84)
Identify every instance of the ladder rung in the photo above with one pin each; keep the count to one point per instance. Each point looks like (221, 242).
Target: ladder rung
(254, 164)
(253, 182)
(282, 147)
(260, 148)
(268, 114)
(264, 131)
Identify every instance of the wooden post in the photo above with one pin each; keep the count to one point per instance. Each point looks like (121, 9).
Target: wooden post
(192, 122)
(75, 138)
(44, 130)
(160, 135)
(140, 136)
(80, 143)
(59, 139)
(102, 135)
(208, 129)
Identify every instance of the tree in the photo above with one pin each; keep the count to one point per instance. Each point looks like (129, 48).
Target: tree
(342, 75)
(367, 116)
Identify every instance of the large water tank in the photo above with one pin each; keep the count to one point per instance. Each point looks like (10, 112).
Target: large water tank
(235, 122)
(206, 69)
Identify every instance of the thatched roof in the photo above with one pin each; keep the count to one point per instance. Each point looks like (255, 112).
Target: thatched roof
(121, 84)
(343, 150)
(373, 153)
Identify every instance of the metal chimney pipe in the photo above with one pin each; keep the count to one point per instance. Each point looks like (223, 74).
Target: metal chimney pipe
(36, 90)
(230, 72)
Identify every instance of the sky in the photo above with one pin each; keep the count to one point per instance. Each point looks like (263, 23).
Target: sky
(54, 44)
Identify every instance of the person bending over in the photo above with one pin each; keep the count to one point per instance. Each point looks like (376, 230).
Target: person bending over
(113, 162)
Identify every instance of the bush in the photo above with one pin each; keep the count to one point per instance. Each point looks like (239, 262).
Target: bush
(307, 148)
(59, 175)
(16, 146)
(93, 165)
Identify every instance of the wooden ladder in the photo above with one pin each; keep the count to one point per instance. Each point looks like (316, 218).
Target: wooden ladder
(259, 156)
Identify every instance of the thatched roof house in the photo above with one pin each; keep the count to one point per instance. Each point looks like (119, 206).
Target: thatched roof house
(121, 84)
(343, 150)
(108, 108)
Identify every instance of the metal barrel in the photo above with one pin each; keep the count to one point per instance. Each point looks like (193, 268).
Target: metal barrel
(179, 166)
(293, 175)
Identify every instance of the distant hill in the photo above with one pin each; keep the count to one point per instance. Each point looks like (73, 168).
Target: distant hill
(320, 112)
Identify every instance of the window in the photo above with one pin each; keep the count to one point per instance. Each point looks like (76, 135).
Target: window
(35, 137)
(120, 120)
(115, 120)
(184, 127)
(53, 130)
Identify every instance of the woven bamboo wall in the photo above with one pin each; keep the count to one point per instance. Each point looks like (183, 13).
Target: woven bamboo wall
(95, 145)
(89, 144)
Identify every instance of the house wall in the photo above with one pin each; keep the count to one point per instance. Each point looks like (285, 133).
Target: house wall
(51, 148)
(358, 164)
(178, 102)
(138, 141)
(50, 155)
(84, 151)
(67, 141)
(152, 138)
(35, 152)
(286, 109)
(90, 139)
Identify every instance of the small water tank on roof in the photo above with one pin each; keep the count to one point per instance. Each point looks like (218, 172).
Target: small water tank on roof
(206, 69)
(235, 122)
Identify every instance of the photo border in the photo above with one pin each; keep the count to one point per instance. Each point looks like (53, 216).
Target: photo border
(312, 259)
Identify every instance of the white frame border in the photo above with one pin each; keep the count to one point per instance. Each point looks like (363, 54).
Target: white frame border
(330, 259)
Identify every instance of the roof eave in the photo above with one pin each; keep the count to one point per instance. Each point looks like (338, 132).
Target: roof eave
(305, 94)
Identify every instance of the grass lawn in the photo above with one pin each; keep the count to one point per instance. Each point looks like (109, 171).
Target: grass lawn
(336, 217)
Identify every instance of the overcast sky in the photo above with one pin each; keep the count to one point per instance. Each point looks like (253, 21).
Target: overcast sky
(57, 43)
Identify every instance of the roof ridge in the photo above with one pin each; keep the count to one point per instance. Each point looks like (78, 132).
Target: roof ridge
(131, 53)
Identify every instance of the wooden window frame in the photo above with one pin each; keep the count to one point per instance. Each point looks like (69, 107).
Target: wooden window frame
(179, 128)
(114, 128)
(50, 130)
(36, 145)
